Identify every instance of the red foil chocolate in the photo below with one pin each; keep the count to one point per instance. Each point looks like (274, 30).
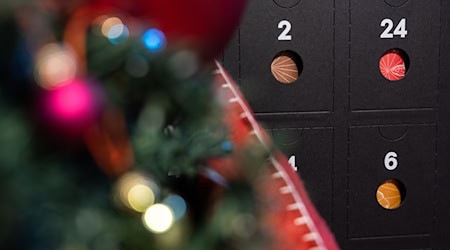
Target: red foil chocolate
(393, 65)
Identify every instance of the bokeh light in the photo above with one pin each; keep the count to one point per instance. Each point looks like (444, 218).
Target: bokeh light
(111, 28)
(154, 40)
(177, 204)
(118, 33)
(137, 66)
(227, 146)
(158, 218)
(108, 23)
(184, 64)
(56, 65)
(153, 116)
(215, 177)
(176, 237)
(136, 191)
(141, 197)
(243, 225)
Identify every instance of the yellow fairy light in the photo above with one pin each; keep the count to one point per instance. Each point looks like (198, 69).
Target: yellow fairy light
(136, 191)
(158, 218)
(141, 197)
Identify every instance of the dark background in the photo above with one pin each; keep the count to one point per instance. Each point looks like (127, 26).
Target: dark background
(338, 114)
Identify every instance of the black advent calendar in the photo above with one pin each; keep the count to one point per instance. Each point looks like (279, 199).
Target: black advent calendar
(357, 95)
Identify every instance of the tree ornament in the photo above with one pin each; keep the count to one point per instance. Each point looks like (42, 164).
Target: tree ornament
(72, 107)
(168, 122)
(109, 143)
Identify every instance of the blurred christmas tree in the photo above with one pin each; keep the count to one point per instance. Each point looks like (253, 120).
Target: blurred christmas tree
(114, 135)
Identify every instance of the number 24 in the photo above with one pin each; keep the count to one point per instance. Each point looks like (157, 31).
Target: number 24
(400, 30)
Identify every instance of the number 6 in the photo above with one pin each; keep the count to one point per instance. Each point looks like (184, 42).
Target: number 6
(390, 161)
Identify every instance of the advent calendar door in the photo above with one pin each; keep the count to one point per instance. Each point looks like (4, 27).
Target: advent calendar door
(286, 65)
(357, 95)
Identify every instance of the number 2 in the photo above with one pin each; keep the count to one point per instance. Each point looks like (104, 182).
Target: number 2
(386, 33)
(400, 30)
(286, 26)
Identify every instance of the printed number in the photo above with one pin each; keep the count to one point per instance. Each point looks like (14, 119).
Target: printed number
(390, 161)
(292, 162)
(286, 26)
(400, 30)
(386, 33)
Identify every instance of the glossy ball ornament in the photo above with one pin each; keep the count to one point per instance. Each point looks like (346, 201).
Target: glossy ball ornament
(72, 107)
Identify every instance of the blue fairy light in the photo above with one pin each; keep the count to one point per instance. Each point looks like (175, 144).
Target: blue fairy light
(178, 205)
(154, 40)
(227, 146)
(216, 177)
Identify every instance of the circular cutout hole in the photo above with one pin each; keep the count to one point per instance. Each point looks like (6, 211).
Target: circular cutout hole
(396, 3)
(286, 66)
(394, 64)
(286, 3)
(391, 194)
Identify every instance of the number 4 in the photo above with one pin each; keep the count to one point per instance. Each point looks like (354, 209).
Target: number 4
(400, 30)
(292, 162)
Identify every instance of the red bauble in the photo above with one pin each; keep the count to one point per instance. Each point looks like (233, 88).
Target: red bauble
(205, 25)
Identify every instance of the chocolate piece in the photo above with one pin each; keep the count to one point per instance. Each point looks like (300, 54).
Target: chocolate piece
(285, 68)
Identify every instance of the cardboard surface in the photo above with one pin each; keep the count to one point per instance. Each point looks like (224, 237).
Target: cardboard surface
(349, 116)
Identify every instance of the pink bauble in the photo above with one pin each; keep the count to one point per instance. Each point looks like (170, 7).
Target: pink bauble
(71, 107)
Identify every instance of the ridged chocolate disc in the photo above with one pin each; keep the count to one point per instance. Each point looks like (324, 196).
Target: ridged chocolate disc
(285, 68)
(393, 65)
(389, 195)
